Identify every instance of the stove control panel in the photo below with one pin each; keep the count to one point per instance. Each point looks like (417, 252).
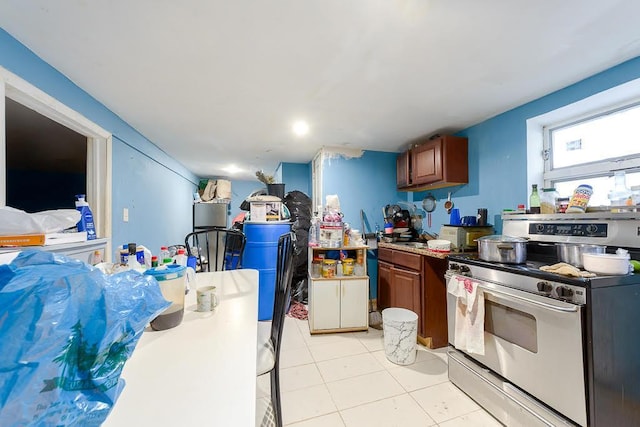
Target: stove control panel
(569, 229)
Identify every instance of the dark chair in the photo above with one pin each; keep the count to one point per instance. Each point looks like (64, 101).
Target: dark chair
(269, 345)
(216, 248)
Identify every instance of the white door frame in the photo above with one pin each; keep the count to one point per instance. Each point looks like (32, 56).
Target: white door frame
(98, 144)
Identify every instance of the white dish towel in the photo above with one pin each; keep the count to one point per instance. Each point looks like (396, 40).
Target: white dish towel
(469, 319)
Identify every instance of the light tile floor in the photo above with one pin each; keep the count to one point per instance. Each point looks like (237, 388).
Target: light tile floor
(345, 380)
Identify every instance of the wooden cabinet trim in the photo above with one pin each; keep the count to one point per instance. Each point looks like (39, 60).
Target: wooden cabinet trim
(407, 259)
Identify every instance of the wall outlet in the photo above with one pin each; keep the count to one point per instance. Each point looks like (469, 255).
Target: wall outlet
(125, 215)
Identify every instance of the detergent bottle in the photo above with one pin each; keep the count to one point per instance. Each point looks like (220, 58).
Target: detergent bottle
(86, 217)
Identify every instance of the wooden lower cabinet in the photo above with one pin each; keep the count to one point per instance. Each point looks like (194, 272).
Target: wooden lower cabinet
(415, 282)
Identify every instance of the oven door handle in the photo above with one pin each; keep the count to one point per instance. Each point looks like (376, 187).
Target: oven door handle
(518, 298)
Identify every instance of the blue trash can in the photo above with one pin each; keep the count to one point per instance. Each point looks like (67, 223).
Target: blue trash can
(261, 253)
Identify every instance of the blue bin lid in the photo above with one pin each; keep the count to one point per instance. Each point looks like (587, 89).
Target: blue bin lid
(167, 272)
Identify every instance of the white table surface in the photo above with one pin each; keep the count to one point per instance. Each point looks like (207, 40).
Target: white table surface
(203, 371)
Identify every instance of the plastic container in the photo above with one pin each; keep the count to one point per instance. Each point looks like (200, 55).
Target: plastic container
(316, 267)
(580, 199)
(347, 266)
(181, 257)
(132, 259)
(86, 217)
(548, 200)
(331, 234)
(621, 195)
(400, 329)
(313, 232)
(439, 245)
(163, 255)
(562, 203)
(329, 268)
(261, 253)
(607, 264)
(171, 279)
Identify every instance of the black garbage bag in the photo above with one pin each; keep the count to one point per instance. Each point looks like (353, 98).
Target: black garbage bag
(299, 205)
(66, 331)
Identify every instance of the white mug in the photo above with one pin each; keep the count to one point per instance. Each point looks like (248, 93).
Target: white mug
(207, 298)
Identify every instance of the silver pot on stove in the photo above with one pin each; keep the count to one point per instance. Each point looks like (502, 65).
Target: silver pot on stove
(503, 249)
(571, 253)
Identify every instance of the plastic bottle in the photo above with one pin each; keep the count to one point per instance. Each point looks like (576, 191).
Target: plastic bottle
(313, 231)
(86, 217)
(132, 259)
(154, 261)
(164, 255)
(339, 269)
(534, 200)
(620, 195)
(181, 257)
(96, 258)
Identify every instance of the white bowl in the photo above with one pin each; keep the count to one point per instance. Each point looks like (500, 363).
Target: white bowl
(606, 264)
(439, 245)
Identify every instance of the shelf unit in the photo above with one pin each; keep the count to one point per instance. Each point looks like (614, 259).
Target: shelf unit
(339, 303)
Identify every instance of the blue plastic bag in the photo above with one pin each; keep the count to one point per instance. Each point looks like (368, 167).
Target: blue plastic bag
(66, 330)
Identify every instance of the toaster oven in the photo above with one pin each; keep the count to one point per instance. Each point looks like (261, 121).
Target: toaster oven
(463, 238)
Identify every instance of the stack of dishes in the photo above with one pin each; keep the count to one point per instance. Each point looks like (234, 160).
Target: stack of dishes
(402, 234)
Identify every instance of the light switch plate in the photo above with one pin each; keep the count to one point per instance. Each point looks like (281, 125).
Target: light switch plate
(125, 215)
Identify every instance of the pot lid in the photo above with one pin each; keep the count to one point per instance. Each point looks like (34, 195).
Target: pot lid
(502, 239)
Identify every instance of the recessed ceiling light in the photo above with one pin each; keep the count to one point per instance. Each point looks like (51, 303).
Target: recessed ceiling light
(231, 169)
(300, 128)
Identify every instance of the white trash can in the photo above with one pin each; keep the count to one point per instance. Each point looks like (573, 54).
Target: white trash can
(400, 330)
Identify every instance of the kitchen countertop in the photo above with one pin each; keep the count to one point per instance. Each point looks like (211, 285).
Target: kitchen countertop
(203, 371)
(407, 247)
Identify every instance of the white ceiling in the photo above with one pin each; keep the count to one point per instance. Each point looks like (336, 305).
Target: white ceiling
(217, 82)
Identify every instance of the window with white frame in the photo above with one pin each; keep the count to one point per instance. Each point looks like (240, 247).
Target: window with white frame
(590, 148)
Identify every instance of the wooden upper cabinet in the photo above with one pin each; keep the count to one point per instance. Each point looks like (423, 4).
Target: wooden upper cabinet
(426, 162)
(436, 163)
(402, 169)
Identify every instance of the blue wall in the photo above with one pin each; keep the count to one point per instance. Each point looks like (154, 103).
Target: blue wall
(297, 176)
(155, 188)
(367, 182)
(498, 149)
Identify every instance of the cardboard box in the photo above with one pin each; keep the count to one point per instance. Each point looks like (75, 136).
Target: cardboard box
(23, 240)
(42, 239)
(265, 211)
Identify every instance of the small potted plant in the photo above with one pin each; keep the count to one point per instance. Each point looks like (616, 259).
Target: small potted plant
(273, 189)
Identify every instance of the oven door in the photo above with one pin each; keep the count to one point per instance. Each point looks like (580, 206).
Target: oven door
(534, 342)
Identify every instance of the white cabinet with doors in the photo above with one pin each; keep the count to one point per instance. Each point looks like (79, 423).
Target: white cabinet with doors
(339, 303)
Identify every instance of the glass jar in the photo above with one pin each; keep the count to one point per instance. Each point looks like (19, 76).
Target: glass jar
(316, 267)
(329, 268)
(347, 266)
(548, 200)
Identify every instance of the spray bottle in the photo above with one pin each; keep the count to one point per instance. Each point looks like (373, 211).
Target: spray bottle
(86, 217)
